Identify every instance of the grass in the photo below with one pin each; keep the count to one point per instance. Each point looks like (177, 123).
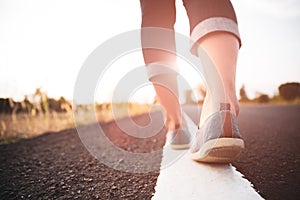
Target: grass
(13, 127)
(18, 126)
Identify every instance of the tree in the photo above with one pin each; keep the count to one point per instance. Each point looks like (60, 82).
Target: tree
(41, 101)
(263, 98)
(243, 94)
(289, 91)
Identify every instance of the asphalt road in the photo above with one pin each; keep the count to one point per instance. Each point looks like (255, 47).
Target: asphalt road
(57, 166)
(271, 160)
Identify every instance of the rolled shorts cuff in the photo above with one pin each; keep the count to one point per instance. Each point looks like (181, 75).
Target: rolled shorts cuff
(156, 69)
(210, 25)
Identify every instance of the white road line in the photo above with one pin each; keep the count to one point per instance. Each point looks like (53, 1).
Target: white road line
(185, 179)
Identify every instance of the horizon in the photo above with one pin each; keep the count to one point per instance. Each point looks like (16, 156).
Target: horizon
(33, 96)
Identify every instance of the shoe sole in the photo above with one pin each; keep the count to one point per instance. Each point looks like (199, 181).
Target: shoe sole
(221, 150)
(180, 146)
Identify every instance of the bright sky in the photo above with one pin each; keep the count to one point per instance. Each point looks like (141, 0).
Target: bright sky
(43, 43)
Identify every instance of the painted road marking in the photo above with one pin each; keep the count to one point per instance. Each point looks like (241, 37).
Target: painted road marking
(187, 179)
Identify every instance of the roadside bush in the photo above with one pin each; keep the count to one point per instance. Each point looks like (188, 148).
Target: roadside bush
(289, 91)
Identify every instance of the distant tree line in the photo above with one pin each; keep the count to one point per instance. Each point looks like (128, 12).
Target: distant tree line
(287, 92)
(39, 103)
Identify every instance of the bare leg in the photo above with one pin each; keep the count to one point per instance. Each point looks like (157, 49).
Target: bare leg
(222, 48)
(167, 94)
(162, 15)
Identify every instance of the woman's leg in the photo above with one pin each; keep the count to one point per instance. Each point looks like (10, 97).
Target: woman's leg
(222, 48)
(158, 18)
(214, 29)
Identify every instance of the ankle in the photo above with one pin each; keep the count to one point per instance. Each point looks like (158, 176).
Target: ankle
(211, 105)
(234, 104)
(229, 97)
(175, 124)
